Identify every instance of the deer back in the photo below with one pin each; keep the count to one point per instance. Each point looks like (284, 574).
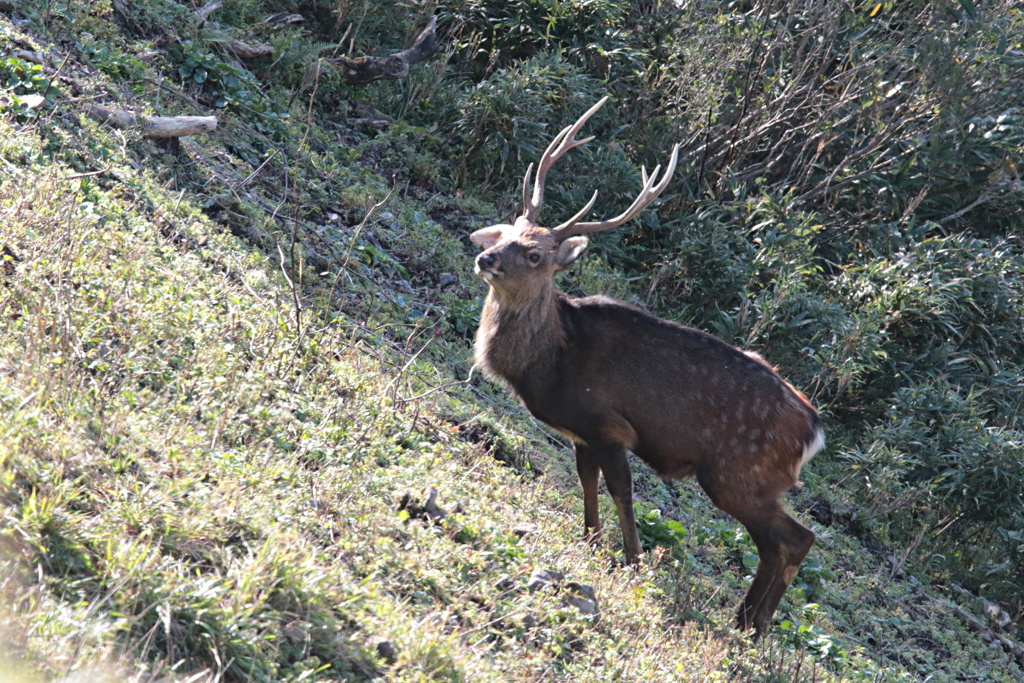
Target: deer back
(675, 396)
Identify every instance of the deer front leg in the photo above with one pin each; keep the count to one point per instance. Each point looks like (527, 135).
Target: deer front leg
(589, 472)
(615, 465)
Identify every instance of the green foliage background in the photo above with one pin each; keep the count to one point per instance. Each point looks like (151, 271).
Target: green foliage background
(226, 359)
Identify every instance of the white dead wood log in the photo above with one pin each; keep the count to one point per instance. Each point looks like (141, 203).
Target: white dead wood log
(154, 126)
(248, 51)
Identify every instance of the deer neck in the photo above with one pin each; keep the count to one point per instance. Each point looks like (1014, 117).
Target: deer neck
(518, 334)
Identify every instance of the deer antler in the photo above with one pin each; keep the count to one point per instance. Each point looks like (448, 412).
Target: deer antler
(562, 143)
(652, 188)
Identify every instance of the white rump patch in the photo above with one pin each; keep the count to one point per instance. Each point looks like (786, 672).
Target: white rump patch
(812, 447)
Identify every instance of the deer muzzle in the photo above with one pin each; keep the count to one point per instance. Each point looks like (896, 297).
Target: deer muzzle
(487, 265)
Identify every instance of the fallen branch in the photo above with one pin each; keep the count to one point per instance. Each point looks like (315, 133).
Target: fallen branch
(28, 56)
(154, 126)
(247, 51)
(977, 626)
(284, 18)
(379, 124)
(204, 12)
(365, 70)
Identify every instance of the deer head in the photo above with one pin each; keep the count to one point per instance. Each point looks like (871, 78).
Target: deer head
(520, 260)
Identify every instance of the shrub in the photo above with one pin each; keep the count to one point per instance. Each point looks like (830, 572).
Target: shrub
(595, 36)
(936, 466)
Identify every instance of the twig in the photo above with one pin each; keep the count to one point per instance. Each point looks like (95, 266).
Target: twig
(86, 175)
(368, 69)
(982, 198)
(245, 181)
(417, 397)
(976, 625)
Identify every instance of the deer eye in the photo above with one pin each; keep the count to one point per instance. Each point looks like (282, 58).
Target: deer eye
(533, 257)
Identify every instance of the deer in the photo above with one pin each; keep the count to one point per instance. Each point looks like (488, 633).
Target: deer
(615, 380)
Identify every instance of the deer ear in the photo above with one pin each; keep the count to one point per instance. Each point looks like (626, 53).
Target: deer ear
(570, 250)
(485, 238)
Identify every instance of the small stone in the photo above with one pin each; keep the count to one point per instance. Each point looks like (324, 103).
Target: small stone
(582, 597)
(581, 603)
(524, 530)
(583, 590)
(389, 220)
(544, 577)
(384, 648)
(445, 279)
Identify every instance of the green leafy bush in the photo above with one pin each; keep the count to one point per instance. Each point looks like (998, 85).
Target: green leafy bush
(25, 87)
(658, 531)
(227, 84)
(594, 35)
(936, 466)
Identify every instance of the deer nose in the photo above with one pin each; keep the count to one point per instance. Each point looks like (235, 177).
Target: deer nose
(485, 261)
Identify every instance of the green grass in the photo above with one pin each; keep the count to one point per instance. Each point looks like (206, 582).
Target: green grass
(205, 442)
(194, 482)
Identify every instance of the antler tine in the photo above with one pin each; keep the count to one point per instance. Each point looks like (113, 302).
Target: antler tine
(652, 188)
(579, 214)
(526, 185)
(562, 143)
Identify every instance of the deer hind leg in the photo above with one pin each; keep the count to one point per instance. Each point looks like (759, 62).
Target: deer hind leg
(782, 544)
(589, 472)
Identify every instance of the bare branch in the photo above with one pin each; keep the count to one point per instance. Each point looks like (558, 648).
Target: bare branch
(365, 70)
(247, 51)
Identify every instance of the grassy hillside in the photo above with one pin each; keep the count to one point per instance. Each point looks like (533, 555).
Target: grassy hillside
(239, 436)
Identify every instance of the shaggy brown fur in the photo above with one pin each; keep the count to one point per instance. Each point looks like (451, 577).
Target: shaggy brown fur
(617, 379)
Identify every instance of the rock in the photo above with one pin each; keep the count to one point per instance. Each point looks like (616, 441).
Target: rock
(445, 280)
(582, 590)
(544, 577)
(524, 530)
(384, 648)
(388, 219)
(582, 597)
(582, 604)
(997, 614)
